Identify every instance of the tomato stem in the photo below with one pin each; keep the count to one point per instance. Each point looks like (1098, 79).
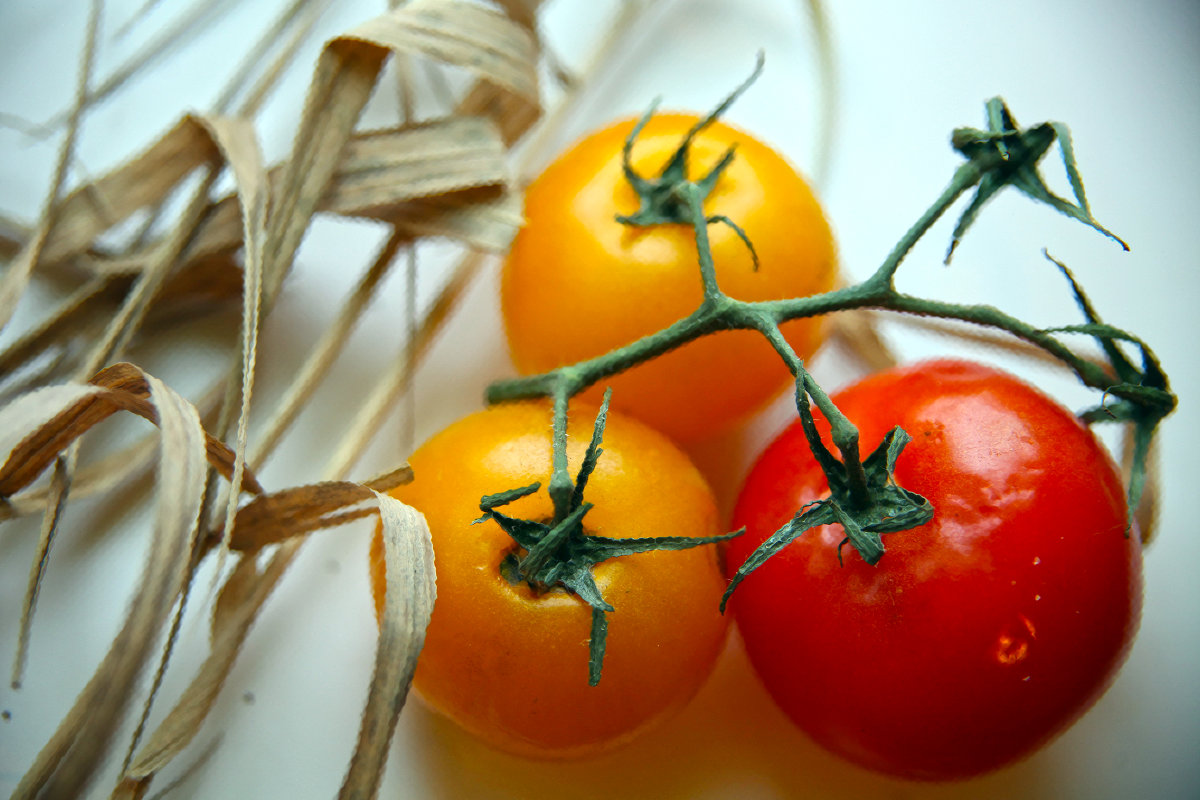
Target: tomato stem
(561, 488)
(694, 198)
(865, 499)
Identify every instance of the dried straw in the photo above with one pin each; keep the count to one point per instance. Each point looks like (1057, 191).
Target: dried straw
(447, 177)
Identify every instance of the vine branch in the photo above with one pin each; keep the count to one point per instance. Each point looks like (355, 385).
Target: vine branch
(865, 498)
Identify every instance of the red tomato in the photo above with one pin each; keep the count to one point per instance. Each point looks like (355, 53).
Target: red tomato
(977, 637)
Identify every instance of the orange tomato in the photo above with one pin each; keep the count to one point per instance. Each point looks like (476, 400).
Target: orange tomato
(510, 665)
(577, 283)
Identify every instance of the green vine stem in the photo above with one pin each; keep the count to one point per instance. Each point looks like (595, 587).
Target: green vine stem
(864, 497)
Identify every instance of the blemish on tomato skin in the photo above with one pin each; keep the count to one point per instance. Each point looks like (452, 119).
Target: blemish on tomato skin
(1010, 650)
(1013, 643)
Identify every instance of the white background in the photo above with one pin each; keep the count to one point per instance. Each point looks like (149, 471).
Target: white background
(1124, 76)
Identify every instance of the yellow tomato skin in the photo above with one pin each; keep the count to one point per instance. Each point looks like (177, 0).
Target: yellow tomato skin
(511, 666)
(577, 283)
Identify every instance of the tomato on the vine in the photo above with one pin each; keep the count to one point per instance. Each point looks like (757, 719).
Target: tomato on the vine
(510, 664)
(978, 636)
(578, 283)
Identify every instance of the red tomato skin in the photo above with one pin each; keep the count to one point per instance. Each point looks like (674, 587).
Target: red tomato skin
(978, 637)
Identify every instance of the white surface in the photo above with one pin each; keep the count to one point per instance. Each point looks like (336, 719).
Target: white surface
(1124, 76)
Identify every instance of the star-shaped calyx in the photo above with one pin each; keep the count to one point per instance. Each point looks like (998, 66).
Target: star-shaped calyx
(561, 552)
(1019, 153)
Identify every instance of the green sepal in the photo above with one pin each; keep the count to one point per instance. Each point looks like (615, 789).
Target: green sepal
(989, 186)
(1019, 152)
(1144, 407)
(510, 568)
(1143, 396)
(561, 553)
(1124, 369)
(828, 462)
(527, 533)
(1063, 133)
(1143, 437)
(892, 508)
(1080, 211)
(912, 511)
(868, 501)
(812, 515)
(1150, 376)
(583, 584)
(593, 451)
(660, 201)
(889, 508)
(868, 543)
(493, 501)
(709, 181)
(1001, 121)
(597, 641)
(548, 547)
(602, 548)
(1136, 402)
(888, 451)
(741, 234)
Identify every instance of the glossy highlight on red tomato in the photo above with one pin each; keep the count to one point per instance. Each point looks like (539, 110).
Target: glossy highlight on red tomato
(510, 664)
(578, 283)
(978, 636)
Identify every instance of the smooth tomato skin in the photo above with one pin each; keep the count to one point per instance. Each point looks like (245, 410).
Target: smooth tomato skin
(577, 283)
(977, 637)
(510, 666)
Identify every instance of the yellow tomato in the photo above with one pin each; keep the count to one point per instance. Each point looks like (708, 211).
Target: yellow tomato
(510, 664)
(577, 283)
